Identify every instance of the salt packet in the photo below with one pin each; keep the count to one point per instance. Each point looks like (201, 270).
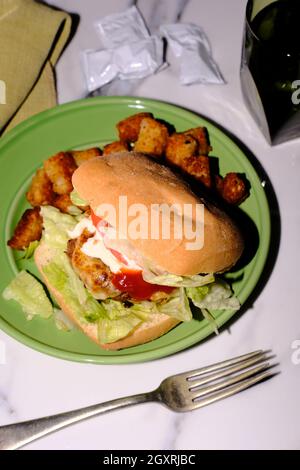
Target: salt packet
(190, 45)
(134, 60)
(129, 51)
(121, 28)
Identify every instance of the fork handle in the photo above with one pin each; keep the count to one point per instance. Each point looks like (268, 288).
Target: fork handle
(14, 436)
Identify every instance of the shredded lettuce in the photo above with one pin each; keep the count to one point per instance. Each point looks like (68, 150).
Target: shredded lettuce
(75, 294)
(116, 309)
(73, 210)
(77, 200)
(62, 322)
(216, 296)
(75, 282)
(56, 226)
(110, 331)
(30, 294)
(197, 294)
(121, 319)
(29, 251)
(211, 319)
(60, 272)
(178, 281)
(177, 306)
(143, 308)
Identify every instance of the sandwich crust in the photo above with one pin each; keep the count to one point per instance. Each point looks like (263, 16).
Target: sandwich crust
(143, 181)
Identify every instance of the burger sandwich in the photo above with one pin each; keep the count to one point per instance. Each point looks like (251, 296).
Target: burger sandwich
(122, 278)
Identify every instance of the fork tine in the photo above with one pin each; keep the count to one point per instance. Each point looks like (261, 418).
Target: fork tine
(232, 390)
(222, 365)
(229, 371)
(228, 382)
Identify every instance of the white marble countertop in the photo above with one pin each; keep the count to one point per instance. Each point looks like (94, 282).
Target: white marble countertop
(267, 416)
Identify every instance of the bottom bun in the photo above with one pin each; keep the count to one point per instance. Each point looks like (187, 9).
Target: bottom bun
(157, 325)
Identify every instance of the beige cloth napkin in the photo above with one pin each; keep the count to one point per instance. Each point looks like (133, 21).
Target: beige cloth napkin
(32, 37)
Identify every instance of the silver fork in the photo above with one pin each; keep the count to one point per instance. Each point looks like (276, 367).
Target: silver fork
(181, 392)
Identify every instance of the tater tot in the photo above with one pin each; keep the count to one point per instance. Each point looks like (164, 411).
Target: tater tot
(153, 138)
(28, 229)
(129, 128)
(60, 169)
(198, 168)
(234, 188)
(40, 192)
(63, 203)
(116, 146)
(201, 135)
(81, 156)
(179, 147)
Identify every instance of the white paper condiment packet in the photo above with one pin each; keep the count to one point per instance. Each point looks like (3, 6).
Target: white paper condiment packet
(99, 68)
(129, 52)
(134, 60)
(190, 45)
(122, 28)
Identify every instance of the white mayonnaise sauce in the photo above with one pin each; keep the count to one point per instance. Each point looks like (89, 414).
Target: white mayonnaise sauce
(95, 246)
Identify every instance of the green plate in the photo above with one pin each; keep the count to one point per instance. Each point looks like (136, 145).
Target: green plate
(87, 123)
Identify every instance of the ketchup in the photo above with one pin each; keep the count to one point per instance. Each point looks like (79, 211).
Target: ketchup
(131, 281)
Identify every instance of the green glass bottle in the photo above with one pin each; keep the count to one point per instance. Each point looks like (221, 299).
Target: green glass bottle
(272, 53)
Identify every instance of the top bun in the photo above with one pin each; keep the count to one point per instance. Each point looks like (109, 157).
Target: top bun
(142, 180)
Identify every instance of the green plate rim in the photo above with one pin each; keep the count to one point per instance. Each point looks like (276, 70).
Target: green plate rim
(191, 339)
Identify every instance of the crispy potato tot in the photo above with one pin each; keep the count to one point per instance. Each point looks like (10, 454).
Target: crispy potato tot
(29, 229)
(179, 147)
(234, 188)
(153, 138)
(62, 202)
(60, 169)
(117, 146)
(40, 192)
(129, 128)
(81, 156)
(198, 168)
(201, 135)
